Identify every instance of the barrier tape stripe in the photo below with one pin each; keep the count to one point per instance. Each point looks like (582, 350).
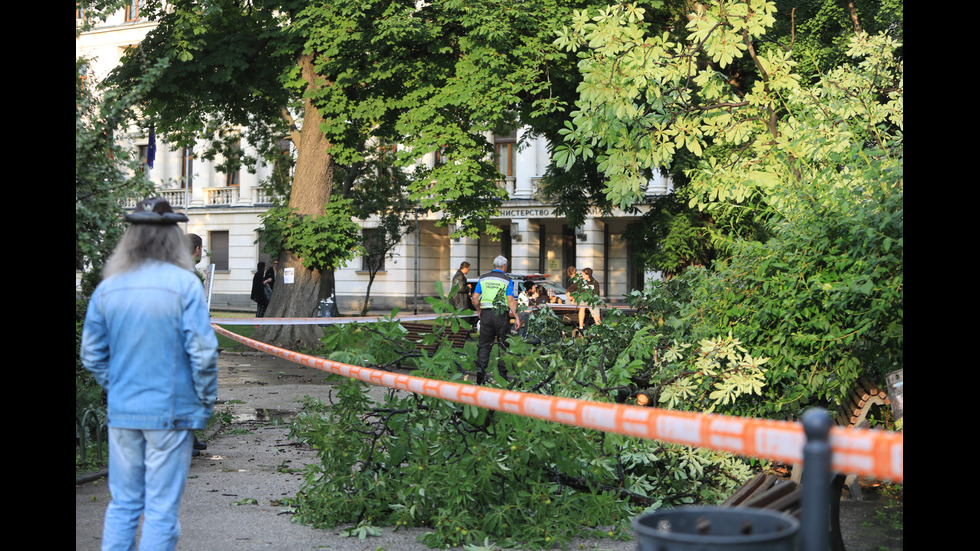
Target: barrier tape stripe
(869, 452)
(366, 319)
(318, 321)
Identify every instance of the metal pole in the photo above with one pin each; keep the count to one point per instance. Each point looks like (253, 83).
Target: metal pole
(416, 261)
(815, 523)
(187, 184)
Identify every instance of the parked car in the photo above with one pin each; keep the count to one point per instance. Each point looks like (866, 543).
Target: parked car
(522, 283)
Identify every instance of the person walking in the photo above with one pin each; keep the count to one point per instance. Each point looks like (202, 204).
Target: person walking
(196, 246)
(493, 301)
(148, 342)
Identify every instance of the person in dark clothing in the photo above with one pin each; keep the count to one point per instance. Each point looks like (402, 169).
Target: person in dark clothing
(461, 300)
(494, 289)
(270, 274)
(258, 290)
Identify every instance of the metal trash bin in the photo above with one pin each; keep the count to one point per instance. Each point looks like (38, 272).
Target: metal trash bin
(705, 528)
(326, 308)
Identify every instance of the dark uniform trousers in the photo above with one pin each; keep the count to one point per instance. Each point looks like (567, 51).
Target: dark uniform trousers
(494, 327)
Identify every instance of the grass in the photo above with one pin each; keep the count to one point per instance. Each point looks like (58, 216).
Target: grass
(226, 343)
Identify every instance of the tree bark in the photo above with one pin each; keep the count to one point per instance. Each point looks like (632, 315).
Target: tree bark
(311, 190)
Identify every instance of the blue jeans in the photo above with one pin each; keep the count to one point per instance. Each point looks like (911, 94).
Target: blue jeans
(147, 473)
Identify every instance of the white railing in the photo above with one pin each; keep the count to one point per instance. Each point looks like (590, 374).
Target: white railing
(507, 184)
(262, 197)
(221, 196)
(174, 196)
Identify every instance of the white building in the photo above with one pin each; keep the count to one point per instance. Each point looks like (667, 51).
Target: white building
(224, 209)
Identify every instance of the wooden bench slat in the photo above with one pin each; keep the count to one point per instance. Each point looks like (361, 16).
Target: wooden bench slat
(772, 497)
(417, 331)
(759, 483)
(786, 497)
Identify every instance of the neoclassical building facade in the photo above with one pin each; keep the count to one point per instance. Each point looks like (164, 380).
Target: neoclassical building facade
(225, 209)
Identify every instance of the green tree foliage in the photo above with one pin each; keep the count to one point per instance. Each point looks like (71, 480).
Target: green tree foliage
(319, 241)
(473, 476)
(821, 166)
(435, 76)
(819, 31)
(106, 175)
(338, 78)
(815, 35)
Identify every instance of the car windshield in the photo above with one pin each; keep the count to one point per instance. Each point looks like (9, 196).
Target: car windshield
(554, 286)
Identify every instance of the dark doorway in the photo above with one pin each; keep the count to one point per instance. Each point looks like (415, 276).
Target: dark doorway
(567, 250)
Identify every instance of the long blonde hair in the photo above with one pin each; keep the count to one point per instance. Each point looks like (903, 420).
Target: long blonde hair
(142, 242)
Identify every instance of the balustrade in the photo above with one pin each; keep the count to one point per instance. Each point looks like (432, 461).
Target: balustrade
(221, 196)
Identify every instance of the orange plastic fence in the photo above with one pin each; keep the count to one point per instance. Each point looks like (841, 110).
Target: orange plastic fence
(874, 453)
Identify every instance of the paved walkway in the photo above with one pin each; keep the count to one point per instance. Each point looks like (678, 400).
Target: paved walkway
(232, 498)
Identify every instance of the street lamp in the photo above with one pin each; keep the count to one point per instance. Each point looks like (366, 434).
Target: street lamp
(417, 211)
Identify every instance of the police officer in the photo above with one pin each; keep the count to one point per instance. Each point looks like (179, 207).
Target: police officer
(494, 286)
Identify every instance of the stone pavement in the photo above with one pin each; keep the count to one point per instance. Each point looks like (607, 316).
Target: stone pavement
(232, 498)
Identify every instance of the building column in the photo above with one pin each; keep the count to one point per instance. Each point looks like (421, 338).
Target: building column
(590, 246)
(159, 174)
(524, 259)
(525, 167)
(247, 181)
(204, 178)
(659, 184)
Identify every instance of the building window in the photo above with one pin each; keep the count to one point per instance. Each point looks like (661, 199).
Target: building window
(389, 151)
(374, 256)
(134, 10)
(218, 247)
(233, 178)
(440, 156)
(144, 152)
(281, 167)
(506, 151)
(187, 168)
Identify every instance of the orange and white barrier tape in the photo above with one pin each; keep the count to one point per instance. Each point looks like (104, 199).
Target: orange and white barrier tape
(319, 321)
(874, 453)
(561, 308)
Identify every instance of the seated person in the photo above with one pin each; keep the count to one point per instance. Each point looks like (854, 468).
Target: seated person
(537, 295)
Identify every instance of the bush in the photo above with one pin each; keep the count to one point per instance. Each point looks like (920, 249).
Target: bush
(473, 475)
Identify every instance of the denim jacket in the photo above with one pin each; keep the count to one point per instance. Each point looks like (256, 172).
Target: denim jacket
(148, 341)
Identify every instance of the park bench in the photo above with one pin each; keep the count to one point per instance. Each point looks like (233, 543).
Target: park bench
(568, 313)
(774, 493)
(853, 412)
(418, 331)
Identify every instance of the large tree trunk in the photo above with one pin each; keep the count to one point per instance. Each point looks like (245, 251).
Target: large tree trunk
(311, 189)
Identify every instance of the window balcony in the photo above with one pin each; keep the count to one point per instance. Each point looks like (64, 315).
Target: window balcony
(507, 184)
(221, 196)
(176, 197)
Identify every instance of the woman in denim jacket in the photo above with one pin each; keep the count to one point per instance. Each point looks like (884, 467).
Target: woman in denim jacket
(149, 343)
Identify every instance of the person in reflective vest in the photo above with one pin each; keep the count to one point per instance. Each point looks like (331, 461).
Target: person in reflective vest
(494, 301)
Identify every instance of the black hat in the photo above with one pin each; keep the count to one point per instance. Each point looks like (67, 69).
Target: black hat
(154, 211)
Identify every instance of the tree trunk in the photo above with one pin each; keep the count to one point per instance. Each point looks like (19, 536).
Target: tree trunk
(367, 294)
(311, 190)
